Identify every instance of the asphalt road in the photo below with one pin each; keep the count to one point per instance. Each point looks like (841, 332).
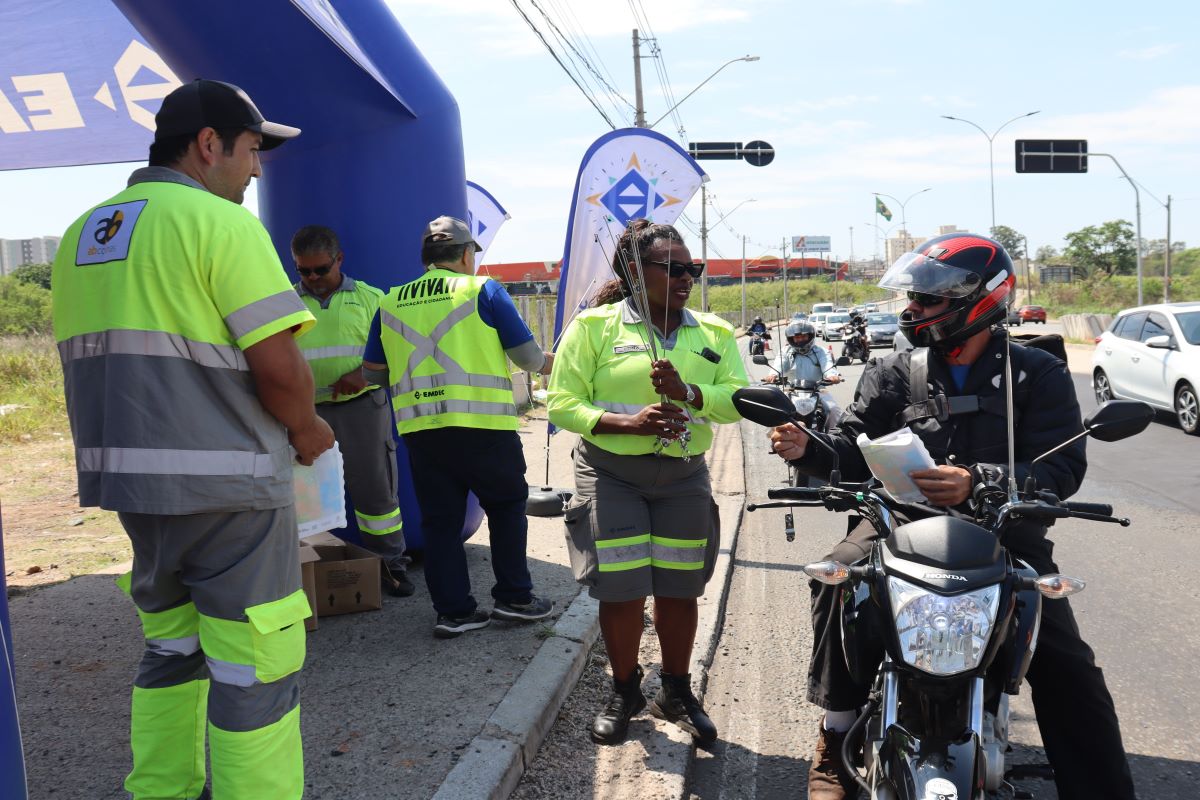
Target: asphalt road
(1137, 613)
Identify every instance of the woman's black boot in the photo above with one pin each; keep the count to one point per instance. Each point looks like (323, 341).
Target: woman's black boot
(676, 703)
(612, 724)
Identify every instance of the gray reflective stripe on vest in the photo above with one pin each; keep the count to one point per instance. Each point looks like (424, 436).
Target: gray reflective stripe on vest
(151, 343)
(454, 407)
(252, 317)
(427, 347)
(183, 646)
(173, 462)
(233, 674)
(407, 384)
(313, 353)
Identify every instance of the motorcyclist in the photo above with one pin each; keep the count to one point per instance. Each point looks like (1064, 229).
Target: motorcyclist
(958, 286)
(857, 329)
(801, 361)
(759, 336)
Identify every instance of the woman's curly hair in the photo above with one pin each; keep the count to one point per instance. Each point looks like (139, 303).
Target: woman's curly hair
(642, 234)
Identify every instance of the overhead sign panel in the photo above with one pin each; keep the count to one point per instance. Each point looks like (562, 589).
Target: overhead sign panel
(719, 151)
(1052, 155)
(811, 244)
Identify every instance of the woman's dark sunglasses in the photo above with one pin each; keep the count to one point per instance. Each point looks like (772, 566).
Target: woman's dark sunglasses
(320, 272)
(676, 268)
(925, 300)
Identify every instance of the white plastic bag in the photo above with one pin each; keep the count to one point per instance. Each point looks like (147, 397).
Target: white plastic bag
(320, 493)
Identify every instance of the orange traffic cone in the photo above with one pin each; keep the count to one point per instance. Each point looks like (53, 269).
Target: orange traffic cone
(830, 349)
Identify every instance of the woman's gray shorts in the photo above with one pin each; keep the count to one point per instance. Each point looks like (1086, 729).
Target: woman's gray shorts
(641, 525)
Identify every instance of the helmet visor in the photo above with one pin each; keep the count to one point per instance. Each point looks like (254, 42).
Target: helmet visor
(914, 272)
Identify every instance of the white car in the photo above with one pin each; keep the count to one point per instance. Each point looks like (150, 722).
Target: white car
(818, 321)
(1152, 353)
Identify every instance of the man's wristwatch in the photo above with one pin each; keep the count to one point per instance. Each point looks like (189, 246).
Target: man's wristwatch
(691, 394)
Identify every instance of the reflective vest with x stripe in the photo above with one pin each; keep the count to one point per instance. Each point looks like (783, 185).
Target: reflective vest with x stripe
(446, 366)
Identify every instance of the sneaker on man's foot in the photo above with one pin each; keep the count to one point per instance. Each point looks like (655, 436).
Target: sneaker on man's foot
(536, 608)
(448, 627)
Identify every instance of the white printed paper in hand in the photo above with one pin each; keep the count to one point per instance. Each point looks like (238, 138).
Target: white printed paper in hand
(891, 457)
(320, 493)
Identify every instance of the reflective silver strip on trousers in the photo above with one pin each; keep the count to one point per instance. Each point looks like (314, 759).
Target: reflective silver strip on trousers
(183, 646)
(455, 407)
(249, 318)
(151, 343)
(408, 383)
(389, 520)
(147, 461)
(312, 354)
(230, 673)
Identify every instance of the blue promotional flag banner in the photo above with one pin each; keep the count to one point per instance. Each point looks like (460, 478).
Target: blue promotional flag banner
(626, 174)
(485, 216)
(86, 98)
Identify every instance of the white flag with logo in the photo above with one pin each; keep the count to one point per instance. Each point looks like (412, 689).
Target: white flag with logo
(485, 216)
(626, 174)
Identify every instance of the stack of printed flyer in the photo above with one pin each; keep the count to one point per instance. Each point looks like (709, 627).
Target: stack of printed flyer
(892, 457)
(320, 494)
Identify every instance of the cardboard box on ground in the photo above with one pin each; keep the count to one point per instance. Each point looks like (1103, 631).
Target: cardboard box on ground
(339, 577)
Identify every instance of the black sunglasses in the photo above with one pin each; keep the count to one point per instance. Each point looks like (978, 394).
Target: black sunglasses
(925, 300)
(320, 272)
(676, 268)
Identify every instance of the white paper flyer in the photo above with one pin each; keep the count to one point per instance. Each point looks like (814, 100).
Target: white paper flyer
(891, 457)
(320, 493)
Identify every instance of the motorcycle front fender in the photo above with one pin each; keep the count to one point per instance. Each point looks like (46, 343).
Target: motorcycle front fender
(929, 769)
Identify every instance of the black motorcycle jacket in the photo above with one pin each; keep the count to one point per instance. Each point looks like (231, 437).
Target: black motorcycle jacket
(967, 427)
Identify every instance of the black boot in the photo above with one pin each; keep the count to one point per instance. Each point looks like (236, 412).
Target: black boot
(612, 724)
(676, 703)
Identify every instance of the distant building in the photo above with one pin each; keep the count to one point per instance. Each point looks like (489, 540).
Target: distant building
(1057, 274)
(900, 243)
(18, 252)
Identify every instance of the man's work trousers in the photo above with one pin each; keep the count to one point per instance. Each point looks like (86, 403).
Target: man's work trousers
(446, 464)
(364, 431)
(222, 610)
(1074, 709)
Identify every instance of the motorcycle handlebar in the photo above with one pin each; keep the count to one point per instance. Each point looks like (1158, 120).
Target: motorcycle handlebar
(794, 493)
(1102, 509)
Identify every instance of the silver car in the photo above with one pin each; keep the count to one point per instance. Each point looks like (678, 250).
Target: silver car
(833, 327)
(881, 329)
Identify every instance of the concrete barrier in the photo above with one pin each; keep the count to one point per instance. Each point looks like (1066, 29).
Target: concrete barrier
(1085, 326)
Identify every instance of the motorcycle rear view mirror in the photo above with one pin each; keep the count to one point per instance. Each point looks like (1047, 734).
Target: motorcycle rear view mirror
(760, 359)
(1118, 419)
(843, 361)
(764, 405)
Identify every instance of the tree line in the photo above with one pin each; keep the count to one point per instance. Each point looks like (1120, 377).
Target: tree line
(1105, 250)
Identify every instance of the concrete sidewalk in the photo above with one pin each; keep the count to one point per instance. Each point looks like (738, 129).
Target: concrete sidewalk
(388, 710)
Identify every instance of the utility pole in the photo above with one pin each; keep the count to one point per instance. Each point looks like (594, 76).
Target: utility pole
(743, 281)
(783, 255)
(704, 246)
(1167, 257)
(1028, 274)
(639, 116)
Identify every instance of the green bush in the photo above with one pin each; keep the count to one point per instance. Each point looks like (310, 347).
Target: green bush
(801, 294)
(24, 307)
(1108, 295)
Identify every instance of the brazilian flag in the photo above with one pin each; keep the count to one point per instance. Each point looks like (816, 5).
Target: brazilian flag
(882, 210)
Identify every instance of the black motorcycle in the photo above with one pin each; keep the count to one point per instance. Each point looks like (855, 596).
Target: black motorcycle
(854, 345)
(941, 619)
(806, 399)
(758, 343)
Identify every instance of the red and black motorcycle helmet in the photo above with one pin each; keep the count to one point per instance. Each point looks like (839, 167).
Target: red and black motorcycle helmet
(973, 272)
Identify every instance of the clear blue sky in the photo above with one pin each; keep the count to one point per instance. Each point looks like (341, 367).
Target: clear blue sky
(849, 93)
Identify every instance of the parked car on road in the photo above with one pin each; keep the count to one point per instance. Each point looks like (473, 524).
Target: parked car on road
(1014, 316)
(1032, 314)
(832, 331)
(818, 321)
(881, 329)
(1152, 353)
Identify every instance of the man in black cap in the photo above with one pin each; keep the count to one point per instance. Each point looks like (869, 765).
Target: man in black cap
(175, 324)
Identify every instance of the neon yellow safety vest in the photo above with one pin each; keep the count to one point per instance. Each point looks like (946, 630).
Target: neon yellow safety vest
(337, 343)
(603, 364)
(156, 293)
(446, 366)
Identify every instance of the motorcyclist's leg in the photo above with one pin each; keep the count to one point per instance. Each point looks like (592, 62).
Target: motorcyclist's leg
(1075, 712)
(833, 412)
(830, 684)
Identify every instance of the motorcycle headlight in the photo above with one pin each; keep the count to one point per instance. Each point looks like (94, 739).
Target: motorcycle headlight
(942, 635)
(804, 405)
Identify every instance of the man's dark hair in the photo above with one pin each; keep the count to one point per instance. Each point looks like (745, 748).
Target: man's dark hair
(316, 239)
(439, 253)
(168, 151)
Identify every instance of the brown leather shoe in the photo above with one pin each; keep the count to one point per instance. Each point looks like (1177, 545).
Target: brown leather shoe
(827, 780)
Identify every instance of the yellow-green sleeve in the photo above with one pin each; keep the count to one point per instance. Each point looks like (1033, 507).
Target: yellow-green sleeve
(731, 376)
(569, 395)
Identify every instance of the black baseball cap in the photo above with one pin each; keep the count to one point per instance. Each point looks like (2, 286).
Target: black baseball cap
(215, 104)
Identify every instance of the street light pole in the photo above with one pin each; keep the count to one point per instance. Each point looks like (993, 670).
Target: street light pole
(991, 157)
(706, 80)
(903, 216)
(743, 281)
(1028, 274)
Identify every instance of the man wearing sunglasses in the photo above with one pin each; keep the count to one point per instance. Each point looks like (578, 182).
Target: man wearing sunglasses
(355, 408)
(950, 392)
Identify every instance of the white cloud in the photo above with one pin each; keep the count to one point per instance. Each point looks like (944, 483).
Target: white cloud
(1149, 53)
